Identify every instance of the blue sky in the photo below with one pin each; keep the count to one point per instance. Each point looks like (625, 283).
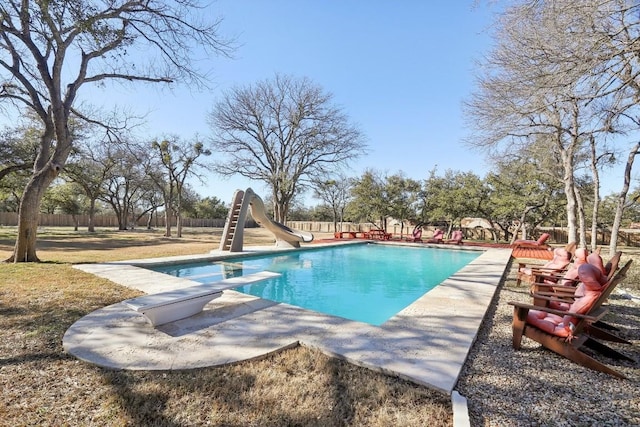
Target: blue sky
(399, 70)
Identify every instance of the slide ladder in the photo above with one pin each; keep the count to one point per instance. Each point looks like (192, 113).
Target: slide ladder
(232, 235)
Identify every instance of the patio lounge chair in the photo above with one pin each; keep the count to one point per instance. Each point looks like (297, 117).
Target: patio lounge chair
(456, 238)
(540, 243)
(416, 234)
(438, 236)
(565, 332)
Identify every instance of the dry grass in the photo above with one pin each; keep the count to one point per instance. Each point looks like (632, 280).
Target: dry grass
(42, 385)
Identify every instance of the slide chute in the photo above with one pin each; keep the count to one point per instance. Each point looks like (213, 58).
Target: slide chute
(233, 234)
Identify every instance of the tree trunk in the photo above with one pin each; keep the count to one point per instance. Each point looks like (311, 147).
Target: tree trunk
(280, 207)
(581, 219)
(570, 193)
(167, 220)
(596, 196)
(168, 200)
(123, 219)
(134, 220)
(179, 214)
(91, 227)
(280, 214)
(29, 213)
(572, 229)
(523, 226)
(622, 197)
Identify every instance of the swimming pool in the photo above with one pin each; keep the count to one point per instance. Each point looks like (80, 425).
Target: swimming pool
(365, 282)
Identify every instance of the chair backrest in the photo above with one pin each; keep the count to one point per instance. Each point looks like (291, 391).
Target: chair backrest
(608, 287)
(543, 238)
(612, 265)
(417, 233)
(572, 247)
(561, 258)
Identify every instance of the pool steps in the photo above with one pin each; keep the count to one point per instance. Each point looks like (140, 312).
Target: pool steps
(169, 306)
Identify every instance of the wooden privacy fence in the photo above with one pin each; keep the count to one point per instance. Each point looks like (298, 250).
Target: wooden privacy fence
(626, 237)
(107, 221)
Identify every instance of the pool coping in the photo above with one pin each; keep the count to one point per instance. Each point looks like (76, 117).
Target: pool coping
(426, 343)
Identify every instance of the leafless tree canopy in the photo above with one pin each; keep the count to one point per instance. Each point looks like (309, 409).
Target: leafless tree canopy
(54, 47)
(563, 71)
(284, 132)
(50, 49)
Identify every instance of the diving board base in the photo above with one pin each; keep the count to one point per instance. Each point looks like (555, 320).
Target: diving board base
(165, 307)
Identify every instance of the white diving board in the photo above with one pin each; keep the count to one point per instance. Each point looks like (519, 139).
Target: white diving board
(169, 306)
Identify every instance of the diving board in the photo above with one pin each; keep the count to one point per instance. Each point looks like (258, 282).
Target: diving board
(169, 306)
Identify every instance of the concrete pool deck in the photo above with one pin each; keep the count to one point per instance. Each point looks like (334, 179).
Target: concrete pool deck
(426, 343)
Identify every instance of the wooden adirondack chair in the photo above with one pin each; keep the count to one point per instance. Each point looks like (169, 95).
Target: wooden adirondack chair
(530, 273)
(544, 294)
(567, 278)
(571, 348)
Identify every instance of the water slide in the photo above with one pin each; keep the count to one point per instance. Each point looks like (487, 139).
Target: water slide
(287, 236)
(233, 234)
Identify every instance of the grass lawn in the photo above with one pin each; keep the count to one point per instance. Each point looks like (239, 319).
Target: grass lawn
(41, 385)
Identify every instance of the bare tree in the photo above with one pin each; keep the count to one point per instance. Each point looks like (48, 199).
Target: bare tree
(177, 160)
(123, 186)
(522, 97)
(49, 50)
(284, 132)
(91, 165)
(336, 193)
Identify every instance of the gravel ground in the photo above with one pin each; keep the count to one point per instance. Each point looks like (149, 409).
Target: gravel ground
(536, 387)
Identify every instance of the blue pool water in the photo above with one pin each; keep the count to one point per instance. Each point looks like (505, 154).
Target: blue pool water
(367, 283)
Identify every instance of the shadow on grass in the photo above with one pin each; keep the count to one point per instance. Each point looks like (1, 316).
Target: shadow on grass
(34, 357)
(141, 407)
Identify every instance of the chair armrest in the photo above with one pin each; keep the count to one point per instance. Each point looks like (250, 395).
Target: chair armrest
(551, 275)
(537, 267)
(590, 317)
(545, 286)
(554, 287)
(551, 271)
(552, 296)
(527, 265)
